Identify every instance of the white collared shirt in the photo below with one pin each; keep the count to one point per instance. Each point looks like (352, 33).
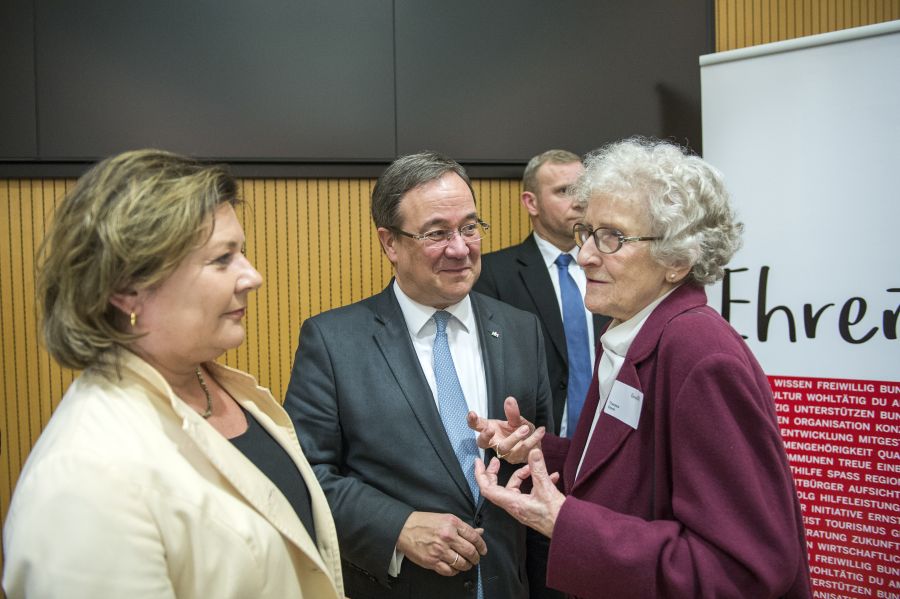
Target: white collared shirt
(462, 336)
(550, 252)
(616, 341)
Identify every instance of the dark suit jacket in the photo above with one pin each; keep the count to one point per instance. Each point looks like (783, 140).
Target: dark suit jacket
(518, 276)
(369, 425)
(699, 501)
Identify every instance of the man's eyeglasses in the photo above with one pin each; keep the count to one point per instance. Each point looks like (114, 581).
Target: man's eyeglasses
(608, 241)
(439, 238)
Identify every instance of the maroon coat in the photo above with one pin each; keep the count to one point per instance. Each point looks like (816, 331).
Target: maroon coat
(699, 501)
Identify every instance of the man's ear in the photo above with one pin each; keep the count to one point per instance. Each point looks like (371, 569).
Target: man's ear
(529, 200)
(388, 239)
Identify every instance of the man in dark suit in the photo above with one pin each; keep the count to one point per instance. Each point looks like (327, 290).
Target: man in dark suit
(528, 276)
(380, 390)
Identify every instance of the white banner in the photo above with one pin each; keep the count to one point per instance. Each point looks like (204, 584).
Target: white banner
(807, 133)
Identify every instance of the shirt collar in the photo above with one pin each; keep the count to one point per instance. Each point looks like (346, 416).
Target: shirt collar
(418, 316)
(550, 252)
(618, 338)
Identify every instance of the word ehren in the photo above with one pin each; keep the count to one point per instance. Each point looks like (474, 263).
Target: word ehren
(849, 319)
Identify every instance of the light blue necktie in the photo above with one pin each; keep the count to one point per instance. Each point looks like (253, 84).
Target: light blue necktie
(453, 408)
(577, 344)
(452, 403)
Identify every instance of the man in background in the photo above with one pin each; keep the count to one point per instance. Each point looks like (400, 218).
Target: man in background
(380, 390)
(541, 276)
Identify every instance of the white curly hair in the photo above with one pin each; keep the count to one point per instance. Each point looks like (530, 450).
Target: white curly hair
(684, 195)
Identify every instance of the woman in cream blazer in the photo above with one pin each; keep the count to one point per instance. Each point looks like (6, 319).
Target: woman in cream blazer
(162, 473)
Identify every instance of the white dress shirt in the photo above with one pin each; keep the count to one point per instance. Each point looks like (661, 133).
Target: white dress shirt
(465, 347)
(550, 253)
(462, 336)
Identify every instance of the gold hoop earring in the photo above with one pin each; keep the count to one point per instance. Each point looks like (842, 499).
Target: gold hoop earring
(133, 319)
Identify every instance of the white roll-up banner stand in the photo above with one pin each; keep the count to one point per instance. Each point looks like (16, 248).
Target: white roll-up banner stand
(807, 135)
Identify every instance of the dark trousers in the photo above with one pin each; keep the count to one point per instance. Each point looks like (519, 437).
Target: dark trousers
(538, 547)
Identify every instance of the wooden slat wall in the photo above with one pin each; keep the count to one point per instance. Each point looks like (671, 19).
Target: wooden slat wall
(742, 23)
(311, 239)
(32, 383)
(314, 243)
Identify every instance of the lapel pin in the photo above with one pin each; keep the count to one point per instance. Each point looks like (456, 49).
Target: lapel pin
(495, 334)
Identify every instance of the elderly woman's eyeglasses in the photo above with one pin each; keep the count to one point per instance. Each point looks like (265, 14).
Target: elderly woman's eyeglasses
(608, 241)
(439, 238)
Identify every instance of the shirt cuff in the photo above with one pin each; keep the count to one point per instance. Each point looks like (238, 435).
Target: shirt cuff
(396, 562)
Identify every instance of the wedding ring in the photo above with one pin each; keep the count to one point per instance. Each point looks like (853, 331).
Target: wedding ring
(456, 559)
(497, 451)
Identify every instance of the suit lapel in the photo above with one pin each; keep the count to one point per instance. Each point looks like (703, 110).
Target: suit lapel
(611, 433)
(245, 478)
(257, 490)
(491, 339)
(608, 436)
(282, 430)
(536, 280)
(392, 338)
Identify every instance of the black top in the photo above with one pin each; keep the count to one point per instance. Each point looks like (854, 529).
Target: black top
(271, 458)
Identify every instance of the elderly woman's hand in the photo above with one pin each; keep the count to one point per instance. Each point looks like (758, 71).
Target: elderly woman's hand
(538, 509)
(511, 439)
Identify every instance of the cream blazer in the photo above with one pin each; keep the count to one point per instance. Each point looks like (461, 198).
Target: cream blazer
(130, 493)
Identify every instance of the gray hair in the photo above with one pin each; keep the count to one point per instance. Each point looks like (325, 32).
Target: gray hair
(407, 173)
(529, 177)
(684, 195)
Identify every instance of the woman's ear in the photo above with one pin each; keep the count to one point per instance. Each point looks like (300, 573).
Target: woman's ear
(126, 301)
(675, 275)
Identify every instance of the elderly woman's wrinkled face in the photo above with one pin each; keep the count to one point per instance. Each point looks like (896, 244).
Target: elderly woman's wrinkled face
(195, 314)
(620, 285)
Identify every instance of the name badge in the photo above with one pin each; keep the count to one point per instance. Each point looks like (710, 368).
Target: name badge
(624, 404)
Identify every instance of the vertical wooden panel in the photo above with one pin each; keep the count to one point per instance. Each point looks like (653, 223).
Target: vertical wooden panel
(10, 463)
(764, 25)
(315, 245)
(743, 23)
(757, 12)
(312, 241)
(32, 385)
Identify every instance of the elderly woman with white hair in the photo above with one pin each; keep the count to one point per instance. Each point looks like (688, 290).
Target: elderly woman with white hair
(676, 482)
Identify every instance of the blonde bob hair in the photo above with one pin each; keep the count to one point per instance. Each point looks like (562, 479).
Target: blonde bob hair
(684, 196)
(126, 225)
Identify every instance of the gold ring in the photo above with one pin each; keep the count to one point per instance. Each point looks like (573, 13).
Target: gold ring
(497, 451)
(456, 559)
